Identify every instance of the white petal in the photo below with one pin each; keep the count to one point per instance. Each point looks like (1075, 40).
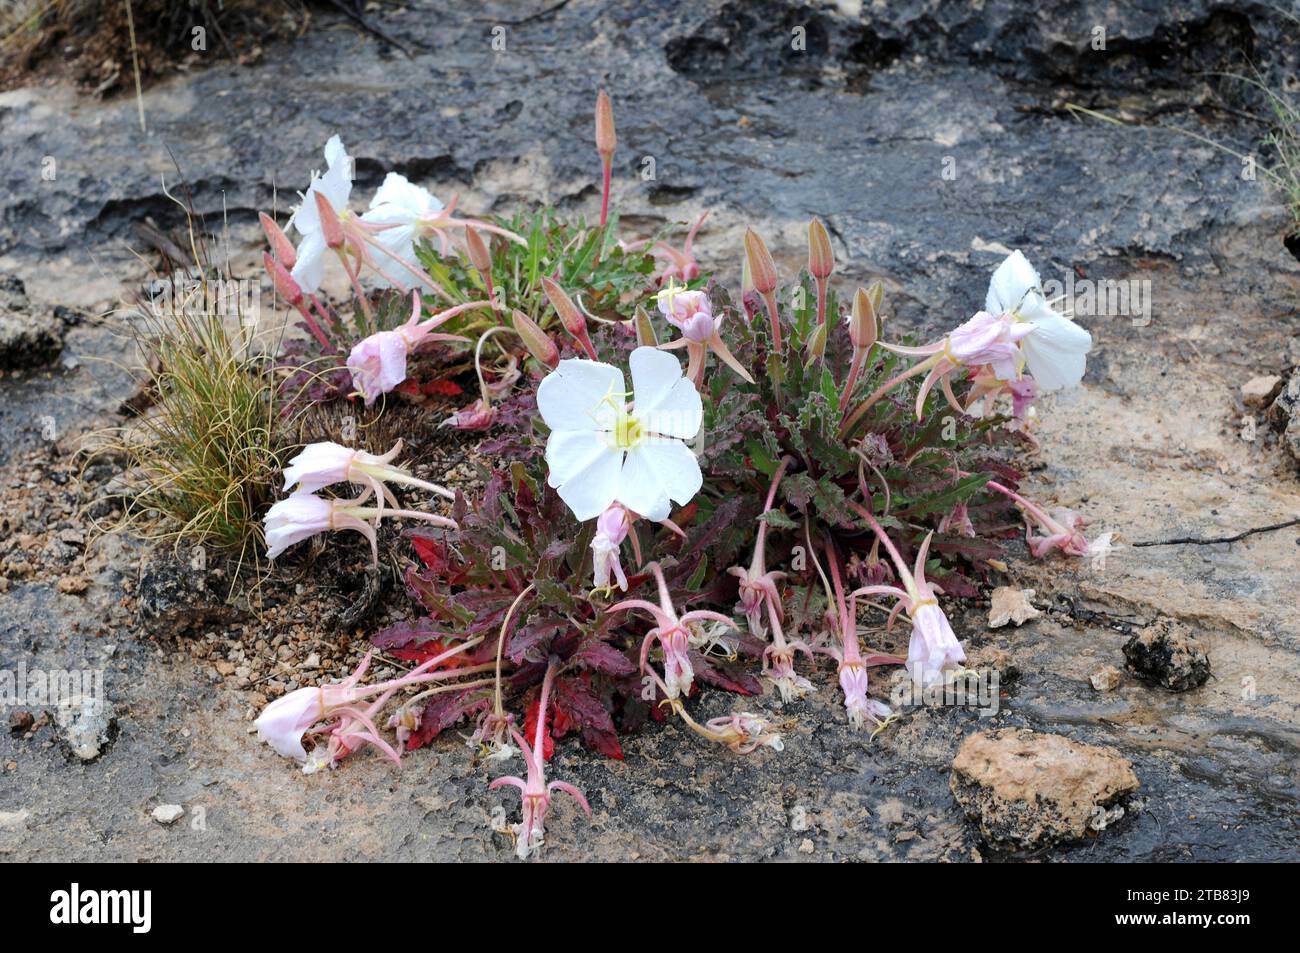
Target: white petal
(584, 469)
(1009, 284)
(666, 402)
(656, 471)
(573, 396)
(399, 191)
(1057, 352)
(336, 185)
(335, 153)
(309, 269)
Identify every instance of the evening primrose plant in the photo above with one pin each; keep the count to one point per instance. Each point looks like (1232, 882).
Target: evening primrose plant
(647, 527)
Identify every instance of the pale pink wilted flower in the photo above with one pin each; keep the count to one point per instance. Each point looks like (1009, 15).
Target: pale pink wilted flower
(857, 704)
(323, 464)
(673, 635)
(691, 312)
(757, 584)
(1061, 529)
(303, 515)
(378, 363)
(534, 792)
(611, 529)
(743, 732)
(842, 616)
(985, 340)
(957, 521)
(284, 722)
(479, 415)
(933, 649)
(778, 662)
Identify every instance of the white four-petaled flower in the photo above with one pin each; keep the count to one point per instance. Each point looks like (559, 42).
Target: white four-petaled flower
(401, 206)
(1057, 349)
(604, 447)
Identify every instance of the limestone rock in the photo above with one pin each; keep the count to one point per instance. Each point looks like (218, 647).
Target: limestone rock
(1028, 790)
(1012, 605)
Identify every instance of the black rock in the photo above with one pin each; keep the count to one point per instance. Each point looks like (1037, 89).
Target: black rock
(1165, 653)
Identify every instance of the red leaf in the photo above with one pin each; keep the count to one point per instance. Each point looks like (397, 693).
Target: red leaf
(602, 657)
(443, 712)
(722, 677)
(443, 388)
(575, 698)
(530, 729)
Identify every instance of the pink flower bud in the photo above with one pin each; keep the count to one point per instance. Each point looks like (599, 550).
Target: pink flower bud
(331, 227)
(284, 284)
(537, 341)
(606, 138)
(762, 270)
(821, 260)
(281, 247)
(863, 325)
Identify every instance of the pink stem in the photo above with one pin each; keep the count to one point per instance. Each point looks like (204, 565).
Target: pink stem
(882, 390)
(604, 201)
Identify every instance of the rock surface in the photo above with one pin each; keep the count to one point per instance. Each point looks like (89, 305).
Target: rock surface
(175, 596)
(29, 336)
(1028, 790)
(859, 130)
(1165, 653)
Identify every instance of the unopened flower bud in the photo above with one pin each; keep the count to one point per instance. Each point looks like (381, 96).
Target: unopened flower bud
(284, 284)
(606, 139)
(863, 328)
(821, 260)
(537, 341)
(762, 270)
(331, 227)
(281, 247)
(478, 252)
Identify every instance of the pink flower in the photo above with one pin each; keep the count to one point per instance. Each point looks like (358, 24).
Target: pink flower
(283, 722)
(842, 615)
(535, 792)
(859, 706)
(1061, 529)
(611, 529)
(479, 415)
(673, 636)
(934, 648)
(758, 585)
(304, 515)
(378, 363)
(691, 312)
(323, 464)
(986, 339)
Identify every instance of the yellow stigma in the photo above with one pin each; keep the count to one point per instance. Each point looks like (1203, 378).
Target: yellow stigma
(627, 432)
(668, 294)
